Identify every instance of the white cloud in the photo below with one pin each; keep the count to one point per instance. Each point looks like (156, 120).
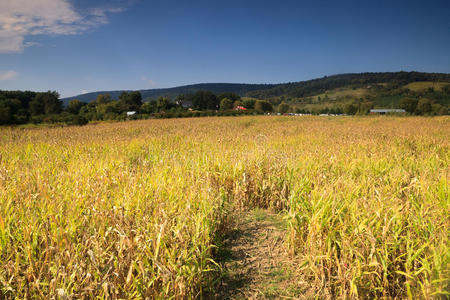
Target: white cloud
(31, 44)
(148, 81)
(21, 18)
(8, 75)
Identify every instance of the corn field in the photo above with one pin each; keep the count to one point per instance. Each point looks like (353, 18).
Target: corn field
(136, 209)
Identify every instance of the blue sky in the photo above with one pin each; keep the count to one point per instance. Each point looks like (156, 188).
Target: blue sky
(82, 46)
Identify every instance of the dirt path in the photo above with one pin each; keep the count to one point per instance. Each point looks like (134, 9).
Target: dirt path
(255, 260)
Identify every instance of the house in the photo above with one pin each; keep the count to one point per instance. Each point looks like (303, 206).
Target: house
(186, 104)
(130, 113)
(383, 111)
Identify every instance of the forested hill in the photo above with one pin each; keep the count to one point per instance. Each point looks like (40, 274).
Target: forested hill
(293, 89)
(417, 93)
(327, 83)
(217, 88)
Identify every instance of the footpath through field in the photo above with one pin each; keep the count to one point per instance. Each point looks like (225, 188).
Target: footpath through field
(255, 260)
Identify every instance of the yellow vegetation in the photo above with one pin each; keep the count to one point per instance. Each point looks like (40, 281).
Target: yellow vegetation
(423, 85)
(133, 210)
(341, 93)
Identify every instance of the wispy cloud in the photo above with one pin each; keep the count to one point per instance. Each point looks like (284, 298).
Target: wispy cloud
(31, 44)
(8, 75)
(148, 82)
(22, 18)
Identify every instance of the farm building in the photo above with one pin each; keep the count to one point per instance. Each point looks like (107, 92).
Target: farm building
(185, 103)
(384, 111)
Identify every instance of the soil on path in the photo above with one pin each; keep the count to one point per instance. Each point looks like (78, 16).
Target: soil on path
(255, 260)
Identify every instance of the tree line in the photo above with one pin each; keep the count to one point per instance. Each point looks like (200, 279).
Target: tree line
(20, 107)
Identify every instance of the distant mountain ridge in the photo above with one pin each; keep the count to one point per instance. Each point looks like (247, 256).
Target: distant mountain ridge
(291, 89)
(238, 88)
(326, 83)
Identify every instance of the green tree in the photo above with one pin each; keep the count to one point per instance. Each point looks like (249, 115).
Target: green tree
(365, 107)
(130, 101)
(442, 111)
(438, 109)
(46, 103)
(148, 107)
(237, 103)
(108, 107)
(408, 104)
(249, 103)
(424, 106)
(232, 96)
(263, 106)
(6, 116)
(283, 107)
(36, 107)
(205, 100)
(226, 103)
(78, 120)
(74, 106)
(103, 99)
(350, 108)
(89, 111)
(163, 104)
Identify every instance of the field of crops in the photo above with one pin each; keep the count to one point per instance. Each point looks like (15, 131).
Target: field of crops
(137, 209)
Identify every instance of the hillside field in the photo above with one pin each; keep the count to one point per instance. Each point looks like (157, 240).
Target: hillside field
(142, 209)
(341, 93)
(423, 85)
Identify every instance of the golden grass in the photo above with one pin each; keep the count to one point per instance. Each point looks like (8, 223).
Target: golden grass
(423, 85)
(342, 93)
(132, 210)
